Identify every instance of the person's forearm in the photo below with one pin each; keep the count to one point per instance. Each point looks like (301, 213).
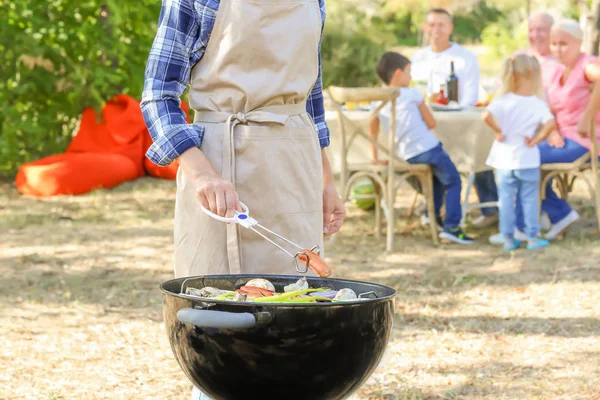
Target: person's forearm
(488, 118)
(195, 164)
(327, 172)
(544, 132)
(594, 104)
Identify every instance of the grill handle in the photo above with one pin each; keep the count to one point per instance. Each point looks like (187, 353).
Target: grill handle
(216, 319)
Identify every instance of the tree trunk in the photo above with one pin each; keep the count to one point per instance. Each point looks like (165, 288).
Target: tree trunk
(591, 25)
(595, 23)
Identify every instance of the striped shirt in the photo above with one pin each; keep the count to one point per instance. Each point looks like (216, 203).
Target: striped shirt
(183, 33)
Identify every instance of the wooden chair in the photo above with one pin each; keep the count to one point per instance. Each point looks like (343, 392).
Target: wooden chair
(565, 174)
(384, 177)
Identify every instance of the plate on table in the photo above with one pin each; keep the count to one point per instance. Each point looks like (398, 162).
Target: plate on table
(444, 107)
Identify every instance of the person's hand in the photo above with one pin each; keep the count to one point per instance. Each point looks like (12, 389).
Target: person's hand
(499, 136)
(334, 211)
(584, 125)
(555, 139)
(217, 195)
(530, 142)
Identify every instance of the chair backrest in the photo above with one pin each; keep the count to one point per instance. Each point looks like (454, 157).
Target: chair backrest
(350, 130)
(342, 95)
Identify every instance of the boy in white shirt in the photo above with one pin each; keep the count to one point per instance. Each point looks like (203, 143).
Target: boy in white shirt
(417, 144)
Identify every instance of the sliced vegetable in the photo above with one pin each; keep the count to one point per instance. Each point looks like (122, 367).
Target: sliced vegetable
(207, 291)
(261, 283)
(329, 294)
(240, 297)
(286, 296)
(309, 299)
(250, 290)
(315, 263)
(345, 294)
(226, 296)
(301, 284)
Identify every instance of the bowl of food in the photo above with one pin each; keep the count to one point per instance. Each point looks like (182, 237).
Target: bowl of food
(288, 337)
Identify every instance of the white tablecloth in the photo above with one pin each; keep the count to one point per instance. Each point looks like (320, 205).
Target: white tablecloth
(465, 137)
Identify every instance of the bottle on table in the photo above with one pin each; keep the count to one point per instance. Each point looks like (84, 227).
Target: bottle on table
(452, 84)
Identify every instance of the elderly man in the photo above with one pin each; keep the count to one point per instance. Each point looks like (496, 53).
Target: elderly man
(540, 25)
(432, 64)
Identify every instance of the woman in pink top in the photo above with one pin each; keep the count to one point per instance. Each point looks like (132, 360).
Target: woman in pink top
(574, 105)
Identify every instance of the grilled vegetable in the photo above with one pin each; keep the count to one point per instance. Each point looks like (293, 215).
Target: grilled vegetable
(307, 299)
(300, 285)
(208, 291)
(345, 294)
(226, 296)
(239, 296)
(254, 292)
(286, 296)
(329, 294)
(261, 283)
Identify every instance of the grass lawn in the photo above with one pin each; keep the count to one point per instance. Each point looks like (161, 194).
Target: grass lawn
(81, 317)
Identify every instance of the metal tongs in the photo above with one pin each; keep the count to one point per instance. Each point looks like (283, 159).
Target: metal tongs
(243, 218)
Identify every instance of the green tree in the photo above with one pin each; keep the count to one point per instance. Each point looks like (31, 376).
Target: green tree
(60, 57)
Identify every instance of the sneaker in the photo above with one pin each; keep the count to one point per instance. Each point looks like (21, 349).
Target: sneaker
(456, 235)
(497, 238)
(425, 222)
(537, 243)
(512, 244)
(545, 222)
(485, 220)
(561, 225)
(520, 235)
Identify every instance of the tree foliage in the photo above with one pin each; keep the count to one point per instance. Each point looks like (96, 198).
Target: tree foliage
(59, 57)
(62, 56)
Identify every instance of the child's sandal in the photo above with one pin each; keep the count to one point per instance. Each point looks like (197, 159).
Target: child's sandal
(514, 245)
(537, 243)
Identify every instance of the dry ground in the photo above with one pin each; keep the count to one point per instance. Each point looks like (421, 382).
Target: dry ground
(80, 311)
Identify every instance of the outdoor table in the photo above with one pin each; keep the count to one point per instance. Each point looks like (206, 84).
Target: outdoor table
(465, 137)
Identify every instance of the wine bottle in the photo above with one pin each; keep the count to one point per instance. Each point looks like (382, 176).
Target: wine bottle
(452, 84)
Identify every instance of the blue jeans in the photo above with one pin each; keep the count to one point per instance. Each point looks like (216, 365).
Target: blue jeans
(519, 186)
(486, 190)
(554, 206)
(446, 181)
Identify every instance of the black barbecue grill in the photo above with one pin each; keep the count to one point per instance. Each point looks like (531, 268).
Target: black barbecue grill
(308, 351)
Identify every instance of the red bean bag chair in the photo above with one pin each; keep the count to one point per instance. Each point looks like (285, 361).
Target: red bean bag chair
(74, 173)
(170, 171)
(106, 152)
(121, 130)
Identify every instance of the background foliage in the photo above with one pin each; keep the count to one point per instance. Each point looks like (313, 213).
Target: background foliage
(61, 56)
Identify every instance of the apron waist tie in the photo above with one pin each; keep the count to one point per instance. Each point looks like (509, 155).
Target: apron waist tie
(268, 115)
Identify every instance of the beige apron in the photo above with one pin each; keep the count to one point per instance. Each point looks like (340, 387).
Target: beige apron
(249, 91)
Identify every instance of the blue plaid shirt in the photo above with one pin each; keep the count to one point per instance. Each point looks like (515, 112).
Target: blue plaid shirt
(183, 33)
